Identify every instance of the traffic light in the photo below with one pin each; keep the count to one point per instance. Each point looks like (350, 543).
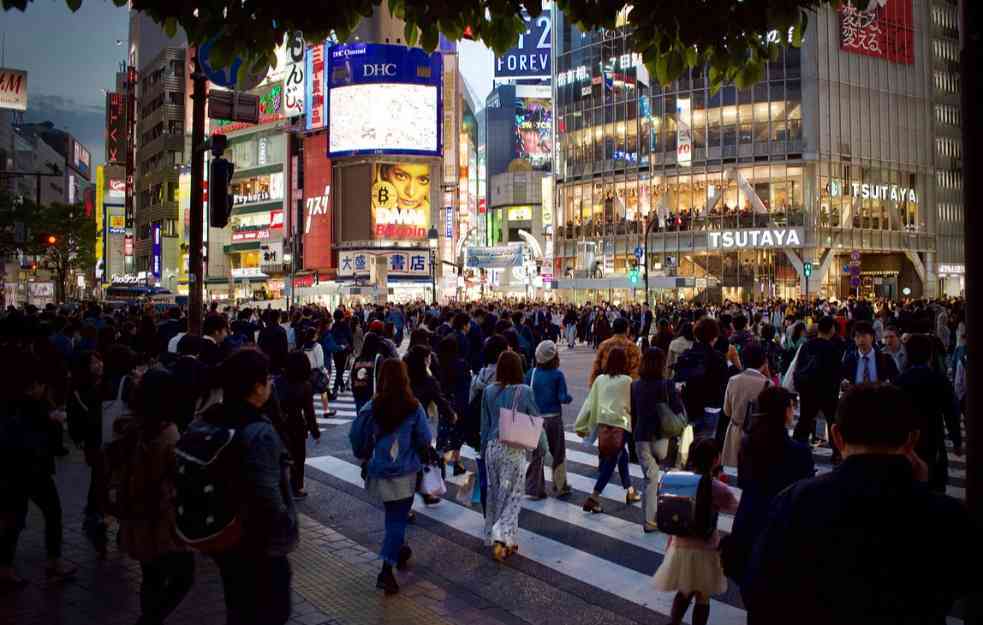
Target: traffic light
(633, 275)
(47, 239)
(219, 198)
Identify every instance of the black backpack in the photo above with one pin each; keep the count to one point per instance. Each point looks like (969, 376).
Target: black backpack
(685, 505)
(363, 378)
(209, 499)
(691, 366)
(806, 369)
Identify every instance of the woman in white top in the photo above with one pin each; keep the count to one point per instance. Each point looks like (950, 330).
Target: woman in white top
(679, 345)
(315, 354)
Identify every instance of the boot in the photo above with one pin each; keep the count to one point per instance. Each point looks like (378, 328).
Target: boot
(405, 553)
(680, 603)
(701, 613)
(387, 581)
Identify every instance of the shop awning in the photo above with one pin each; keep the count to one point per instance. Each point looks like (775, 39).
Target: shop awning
(241, 247)
(262, 207)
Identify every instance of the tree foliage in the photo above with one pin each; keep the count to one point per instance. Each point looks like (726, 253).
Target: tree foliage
(728, 36)
(74, 233)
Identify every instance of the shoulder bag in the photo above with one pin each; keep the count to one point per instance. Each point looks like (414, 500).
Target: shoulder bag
(670, 423)
(518, 429)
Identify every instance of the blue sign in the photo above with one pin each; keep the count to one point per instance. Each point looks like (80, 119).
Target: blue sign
(638, 251)
(449, 223)
(155, 250)
(498, 257)
(361, 63)
(221, 76)
(531, 57)
(383, 99)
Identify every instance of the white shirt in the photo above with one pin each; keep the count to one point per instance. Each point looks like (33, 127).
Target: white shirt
(871, 357)
(172, 344)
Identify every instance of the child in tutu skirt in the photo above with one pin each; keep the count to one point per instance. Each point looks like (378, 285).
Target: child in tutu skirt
(692, 566)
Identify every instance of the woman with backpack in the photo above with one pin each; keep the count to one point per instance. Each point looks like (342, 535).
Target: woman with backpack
(768, 462)
(471, 427)
(365, 370)
(549, 386)
(678, 346)
(691, 567)
(320, 380)
(608, 410)
(295, 396)
(388, 434)
(143, 463)
(650, 391)
(426, 389)
(504, 463)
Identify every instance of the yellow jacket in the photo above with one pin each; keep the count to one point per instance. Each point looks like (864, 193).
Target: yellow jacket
(608, 403)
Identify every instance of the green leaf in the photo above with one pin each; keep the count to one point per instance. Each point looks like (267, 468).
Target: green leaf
(410, 33)
(752, 72)
(74, 5)
(692, 57)
(800, 29)
(430, 38)
(170, 27)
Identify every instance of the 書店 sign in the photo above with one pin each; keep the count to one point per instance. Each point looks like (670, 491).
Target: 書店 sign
(755, 238)
(409, 263)
(13, 89)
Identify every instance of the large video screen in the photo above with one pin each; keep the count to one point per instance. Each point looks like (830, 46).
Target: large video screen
(376, 118)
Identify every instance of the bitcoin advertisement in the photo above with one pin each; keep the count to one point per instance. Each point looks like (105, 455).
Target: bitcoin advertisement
(400, 200)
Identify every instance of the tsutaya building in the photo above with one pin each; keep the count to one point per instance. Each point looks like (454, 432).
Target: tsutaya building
(845, 156)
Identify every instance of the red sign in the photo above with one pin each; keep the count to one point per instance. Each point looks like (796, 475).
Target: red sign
(316, 227)
(316, 76)
(115, 127)
(276, 219)
(117, 186)
(128, 246)
(250, 235)
(882, 29)
(482, 206)
(305, 281)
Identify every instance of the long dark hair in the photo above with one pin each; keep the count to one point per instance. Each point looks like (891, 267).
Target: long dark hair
(653, 365)
(766, 441)
(393, 401)
(447, 353)
(416, 362)
(155, 401)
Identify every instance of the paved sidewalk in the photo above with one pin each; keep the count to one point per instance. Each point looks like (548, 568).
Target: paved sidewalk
(333, 580)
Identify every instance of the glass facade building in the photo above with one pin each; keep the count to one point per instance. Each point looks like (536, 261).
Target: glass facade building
(827, 160)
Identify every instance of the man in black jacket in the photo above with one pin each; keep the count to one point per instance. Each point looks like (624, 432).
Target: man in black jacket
(869, 542)
(817, 379)
(933, 401)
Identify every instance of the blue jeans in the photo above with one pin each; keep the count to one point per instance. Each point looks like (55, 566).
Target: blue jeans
(606, 470)
(397, 513)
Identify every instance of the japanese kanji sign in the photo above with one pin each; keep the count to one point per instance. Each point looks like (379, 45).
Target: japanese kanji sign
(882, 28)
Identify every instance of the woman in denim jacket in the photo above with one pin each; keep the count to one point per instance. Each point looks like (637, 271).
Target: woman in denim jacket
(505, 465)
(389, 434)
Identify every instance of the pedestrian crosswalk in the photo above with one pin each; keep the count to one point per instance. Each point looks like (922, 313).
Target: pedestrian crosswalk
(609, 551)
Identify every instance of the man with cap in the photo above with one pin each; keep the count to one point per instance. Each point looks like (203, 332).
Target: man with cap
(549, 387)
(388, 347)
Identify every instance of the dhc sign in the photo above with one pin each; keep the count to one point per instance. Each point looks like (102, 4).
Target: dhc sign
(755, 238)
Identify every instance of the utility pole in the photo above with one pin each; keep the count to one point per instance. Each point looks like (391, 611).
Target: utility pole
(196, 272)
(645, 254)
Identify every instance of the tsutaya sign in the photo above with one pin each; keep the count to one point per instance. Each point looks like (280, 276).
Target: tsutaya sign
(755, 238)
(867, 191)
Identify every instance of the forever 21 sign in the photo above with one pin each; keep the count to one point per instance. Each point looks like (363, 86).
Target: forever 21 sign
(531, 57)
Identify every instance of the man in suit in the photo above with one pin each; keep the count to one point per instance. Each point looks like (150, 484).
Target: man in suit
(817, 378)
(867, 364)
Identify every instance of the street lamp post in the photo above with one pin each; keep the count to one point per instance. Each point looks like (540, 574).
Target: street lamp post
(645, 256)
(432, 237)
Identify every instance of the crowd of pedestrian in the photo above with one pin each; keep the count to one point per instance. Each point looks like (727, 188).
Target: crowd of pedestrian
(198, 443)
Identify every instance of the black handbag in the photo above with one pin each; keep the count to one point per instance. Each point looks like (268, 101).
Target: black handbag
(319, 380)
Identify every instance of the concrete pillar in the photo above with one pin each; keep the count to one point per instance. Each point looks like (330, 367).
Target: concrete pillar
(821, 259)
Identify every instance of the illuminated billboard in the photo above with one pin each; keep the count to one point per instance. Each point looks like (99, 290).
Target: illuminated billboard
(383, 99)
(400, 200)
(534, 126)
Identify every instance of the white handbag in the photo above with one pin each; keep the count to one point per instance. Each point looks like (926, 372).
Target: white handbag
(518, 429)
(432, 483)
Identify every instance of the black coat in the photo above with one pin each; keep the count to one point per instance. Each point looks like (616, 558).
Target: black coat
(862, 544)
(937, 411)
(887, 370)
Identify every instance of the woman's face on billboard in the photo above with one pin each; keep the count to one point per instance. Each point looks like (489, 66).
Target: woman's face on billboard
(412, 182)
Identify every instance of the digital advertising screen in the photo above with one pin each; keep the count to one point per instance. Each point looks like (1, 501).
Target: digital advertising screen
(400, 200)
(379, 118)
(384, 99)
(534, 130)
